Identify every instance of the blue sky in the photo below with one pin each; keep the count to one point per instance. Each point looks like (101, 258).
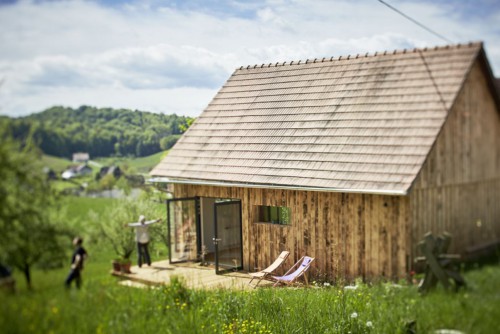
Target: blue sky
(173, 56)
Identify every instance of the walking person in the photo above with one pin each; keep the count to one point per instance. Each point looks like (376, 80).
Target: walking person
(79, 256)
(142, 239)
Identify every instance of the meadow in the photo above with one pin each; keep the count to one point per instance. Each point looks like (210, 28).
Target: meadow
(104, 306)
(131, 166)
(139, 165)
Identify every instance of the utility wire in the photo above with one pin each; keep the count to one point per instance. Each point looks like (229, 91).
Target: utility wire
(416, 22)
(432, 79)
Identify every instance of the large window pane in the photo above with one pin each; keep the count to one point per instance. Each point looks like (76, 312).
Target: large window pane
(182, 220)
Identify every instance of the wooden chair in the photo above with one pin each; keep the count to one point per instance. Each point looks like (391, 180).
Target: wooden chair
(299, 269)
(263, 274)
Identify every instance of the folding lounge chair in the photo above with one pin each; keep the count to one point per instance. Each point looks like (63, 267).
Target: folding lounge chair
(263, 274)
(301, 267)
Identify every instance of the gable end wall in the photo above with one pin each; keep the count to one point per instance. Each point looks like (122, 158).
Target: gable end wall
(458, 188)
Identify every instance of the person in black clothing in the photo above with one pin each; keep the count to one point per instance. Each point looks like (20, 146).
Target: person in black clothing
(79, 256)
(7, 282)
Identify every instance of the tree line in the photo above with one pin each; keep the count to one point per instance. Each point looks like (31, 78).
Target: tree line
(102, 132)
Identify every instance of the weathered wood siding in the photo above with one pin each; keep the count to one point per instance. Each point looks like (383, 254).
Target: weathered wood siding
(350, 235)
(458, 189)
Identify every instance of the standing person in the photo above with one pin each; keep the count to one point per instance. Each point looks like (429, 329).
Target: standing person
(142, 239)
(79, 256)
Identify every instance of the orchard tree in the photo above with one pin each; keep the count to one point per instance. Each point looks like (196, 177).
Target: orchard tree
(29, 235)
(111, 227)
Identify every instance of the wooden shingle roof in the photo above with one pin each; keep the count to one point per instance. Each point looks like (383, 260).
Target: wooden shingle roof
(358, 123)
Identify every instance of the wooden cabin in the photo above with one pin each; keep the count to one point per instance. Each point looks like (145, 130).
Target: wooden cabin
(350, 160)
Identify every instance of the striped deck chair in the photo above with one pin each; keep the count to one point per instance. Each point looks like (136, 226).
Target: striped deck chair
(263, 274)
(299, 269)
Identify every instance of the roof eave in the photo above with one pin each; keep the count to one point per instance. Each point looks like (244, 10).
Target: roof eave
(277, 186)
(490, 77)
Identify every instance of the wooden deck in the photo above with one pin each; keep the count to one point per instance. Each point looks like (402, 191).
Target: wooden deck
(194, 275)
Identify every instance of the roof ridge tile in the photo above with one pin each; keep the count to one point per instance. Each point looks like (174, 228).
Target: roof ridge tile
(469, 44)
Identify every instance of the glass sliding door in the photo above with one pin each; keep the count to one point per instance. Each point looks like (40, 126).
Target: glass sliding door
(183, 229)
(228, 237)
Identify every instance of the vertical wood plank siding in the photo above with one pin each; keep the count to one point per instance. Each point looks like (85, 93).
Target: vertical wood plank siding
(350, 235)
(458, 188)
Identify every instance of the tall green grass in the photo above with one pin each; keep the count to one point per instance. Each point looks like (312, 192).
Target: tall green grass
(103, 306)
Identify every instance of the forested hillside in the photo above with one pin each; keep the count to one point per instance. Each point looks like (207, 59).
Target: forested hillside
(101, 132)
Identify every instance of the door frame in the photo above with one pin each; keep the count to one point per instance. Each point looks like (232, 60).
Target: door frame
(219, 271)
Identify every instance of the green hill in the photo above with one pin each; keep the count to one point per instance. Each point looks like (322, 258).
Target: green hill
(102, 132)
(140, 165)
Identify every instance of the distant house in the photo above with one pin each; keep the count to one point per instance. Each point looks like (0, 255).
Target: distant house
(350, 160)
(81, 157)
(110, 170)
(75, 171)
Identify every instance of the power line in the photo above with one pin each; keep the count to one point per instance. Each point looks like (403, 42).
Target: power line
(416, 22)
(432, 79)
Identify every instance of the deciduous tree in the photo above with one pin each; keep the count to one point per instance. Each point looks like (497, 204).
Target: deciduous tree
(29, 234)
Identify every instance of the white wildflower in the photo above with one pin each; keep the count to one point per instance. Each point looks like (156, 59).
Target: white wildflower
(369, 324)
(354, 315)
(326, 284)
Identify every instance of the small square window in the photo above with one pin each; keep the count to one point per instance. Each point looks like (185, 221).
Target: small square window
(279, 215)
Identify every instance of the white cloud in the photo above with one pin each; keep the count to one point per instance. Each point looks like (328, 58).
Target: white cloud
(267, 15)
(182, 101)
(153, 67)
(149, 56)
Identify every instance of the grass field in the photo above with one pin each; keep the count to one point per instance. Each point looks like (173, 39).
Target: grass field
(78, 209)
(103, 306)
(55, 163)
(139, 165)
(145, 164)
(132, 165)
